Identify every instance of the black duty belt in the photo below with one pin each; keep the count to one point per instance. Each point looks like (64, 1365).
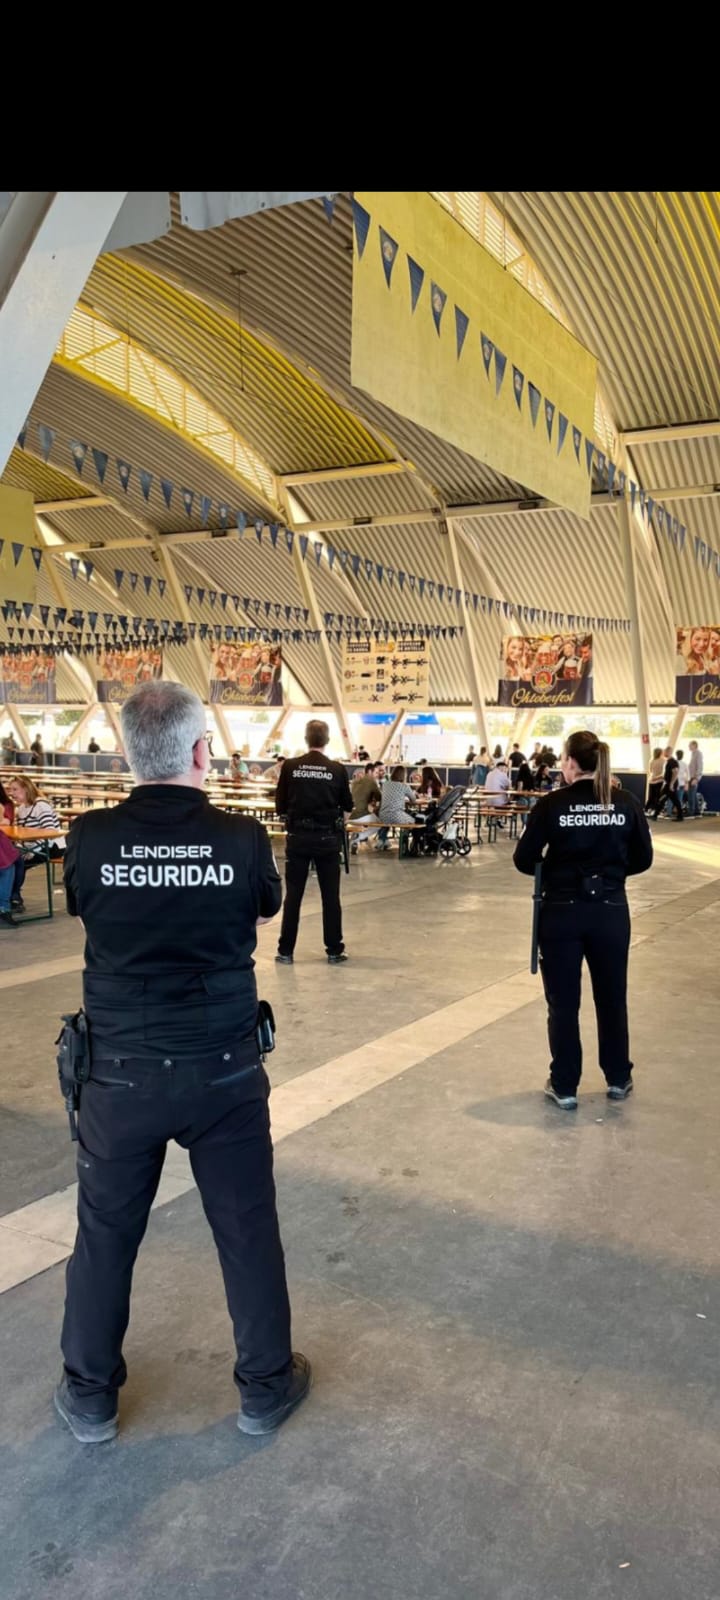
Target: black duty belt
(312, 825)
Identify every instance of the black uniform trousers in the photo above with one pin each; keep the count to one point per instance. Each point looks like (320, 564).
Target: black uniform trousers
(599, 931)
(324, 850)
(216, 1107)
(674, 798)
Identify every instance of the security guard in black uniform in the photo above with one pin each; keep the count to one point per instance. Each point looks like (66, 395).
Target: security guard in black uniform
(170, 891)
(313, 793)
(593, 837)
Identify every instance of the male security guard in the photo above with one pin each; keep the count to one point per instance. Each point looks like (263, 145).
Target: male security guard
(594, 835)
(314, 794)
(170, 891)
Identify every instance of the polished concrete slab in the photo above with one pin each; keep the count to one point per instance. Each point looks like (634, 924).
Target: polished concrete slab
(513, 1314)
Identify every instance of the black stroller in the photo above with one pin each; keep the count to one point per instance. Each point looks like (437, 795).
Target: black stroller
(442, 832)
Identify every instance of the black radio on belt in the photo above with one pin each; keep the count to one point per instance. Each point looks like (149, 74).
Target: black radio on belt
(73, 1062)
(265, 1028)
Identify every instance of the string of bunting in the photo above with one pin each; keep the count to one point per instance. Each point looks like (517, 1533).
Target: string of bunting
(280, 536)
(77, 631)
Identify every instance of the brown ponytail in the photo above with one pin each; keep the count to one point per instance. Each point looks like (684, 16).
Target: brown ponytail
(592, 756)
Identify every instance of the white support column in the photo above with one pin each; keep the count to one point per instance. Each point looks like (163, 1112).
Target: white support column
(276, 728)
(74, 733)
(49, 243)
(471, 660)
(632, 593)
(167, 567)
(678, 723)
(224, 729)
(333, 681)
(392, 734)
(83, 675)
(19, 726)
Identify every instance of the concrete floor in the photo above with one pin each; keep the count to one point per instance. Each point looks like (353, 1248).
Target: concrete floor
(512, 1314)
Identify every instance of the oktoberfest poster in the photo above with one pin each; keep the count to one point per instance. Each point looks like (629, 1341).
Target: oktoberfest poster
(246, 675)
(27, 679)
(697, 667)
(121, 671)
(546, 670)
(390, 674)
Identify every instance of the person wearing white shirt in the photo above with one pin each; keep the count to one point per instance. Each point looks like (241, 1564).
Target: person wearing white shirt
(683, 777)
(696, 767)
(497, 784)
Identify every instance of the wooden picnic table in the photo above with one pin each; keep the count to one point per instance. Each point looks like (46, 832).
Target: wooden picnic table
(21, 835)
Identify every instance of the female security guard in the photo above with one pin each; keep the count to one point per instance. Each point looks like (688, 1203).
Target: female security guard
(590, 837)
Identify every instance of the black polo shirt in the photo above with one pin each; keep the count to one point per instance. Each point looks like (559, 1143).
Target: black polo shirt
(313, 789)
(576, 837)
(169, 889)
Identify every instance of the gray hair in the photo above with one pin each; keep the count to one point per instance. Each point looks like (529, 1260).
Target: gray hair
(161, 724)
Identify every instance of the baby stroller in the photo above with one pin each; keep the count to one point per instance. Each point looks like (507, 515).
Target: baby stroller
(443, 833)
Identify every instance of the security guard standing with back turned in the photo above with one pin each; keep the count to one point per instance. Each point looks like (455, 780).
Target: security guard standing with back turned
(313, 793)
(590, 836)
(170, 891)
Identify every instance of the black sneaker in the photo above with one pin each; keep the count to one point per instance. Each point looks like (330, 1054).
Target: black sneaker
(300, 1384)
(17, 904)
(566, 1102)
(89, 1427)
(335, 960)
(8, 919)
(619, 1091)
(285, 961)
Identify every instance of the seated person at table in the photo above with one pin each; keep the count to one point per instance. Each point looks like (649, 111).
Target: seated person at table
(7, 809)
(9, 858)
(365, 792)
(431, 786)
(497, 784)
(396, 794)
(525, 777)
(32, 811)
(238, 766)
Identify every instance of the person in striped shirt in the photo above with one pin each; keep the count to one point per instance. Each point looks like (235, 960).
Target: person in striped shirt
(32, 810)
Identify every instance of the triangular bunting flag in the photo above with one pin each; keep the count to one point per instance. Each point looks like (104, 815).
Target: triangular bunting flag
(124, 470)
(589, 450)
(74, 566)
(518, 386)
(361, 224)
(577, 441)
(462, 323)
(549, 414)
(205, 504)
(534, 398)
(88, 569)
(37, 556)
(167, 491)
(328, 201)
(500, 365)
(388, 251)
(46, 437)
(417, 279)
(487, 347)
(438, 298)
(100, 458)
(146, 479)
(188, 500)
(78, 452)
(562, 430)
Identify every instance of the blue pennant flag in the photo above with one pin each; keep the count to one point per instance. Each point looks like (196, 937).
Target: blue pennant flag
(46, 436)
(100, 458)
(205, 504)
(88, 569)
(274, 531)
(318, 552)
(500, 365)
(487, 348)
(549, 414)
(22, 436)
(74, 566)
(328, 201)
(290, 539)
(201, 596)
(388, 250)
(633, 492)
(124, 470)
(417, 279)
(369, 569)
(148, 584)
(303, 543)
(462, 323)
(589, 449)
(534, 397)
(577, 441)
(331, 554)
(437, 302)
(562, 430)
(133, 580)
(259, 526)
(187, 588)
(660, 513)
(146, 479)
(223, 514)
(78, 452)
(167, 491)
(650, 508)
(118, 576)
(610, 475)
(45, 615)
(212, 597)
(518, 386)
(621, 481)
(37, 556)
(241, 521)
(361, 223)
(188, 500)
